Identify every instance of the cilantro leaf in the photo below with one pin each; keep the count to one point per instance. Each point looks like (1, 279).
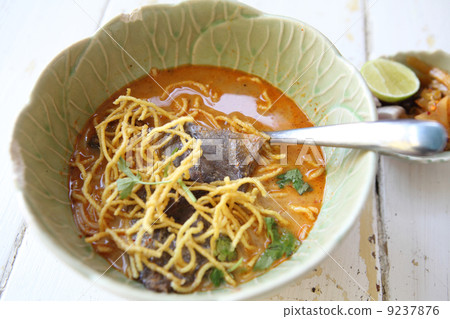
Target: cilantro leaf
(217, 277)
(236, 265)
(125, 185)
(272, 229)
(290, 242)
(266, 259)
(284, 244)
(295, 178)
(224, 250)
(187, 190)
(123, 166)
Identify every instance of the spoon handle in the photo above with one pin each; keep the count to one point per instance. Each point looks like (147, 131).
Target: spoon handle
(408, 137)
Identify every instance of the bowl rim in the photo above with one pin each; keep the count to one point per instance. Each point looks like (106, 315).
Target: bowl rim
(127, 291)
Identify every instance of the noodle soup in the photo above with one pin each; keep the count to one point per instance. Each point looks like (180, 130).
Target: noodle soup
(174, 182)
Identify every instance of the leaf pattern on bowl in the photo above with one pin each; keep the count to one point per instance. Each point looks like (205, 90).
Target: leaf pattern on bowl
(288, 53)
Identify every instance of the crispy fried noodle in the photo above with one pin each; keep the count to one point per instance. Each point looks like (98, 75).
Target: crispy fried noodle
(222, 208)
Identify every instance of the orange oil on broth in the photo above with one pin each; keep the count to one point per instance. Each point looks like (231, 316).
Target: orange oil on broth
(236, 94)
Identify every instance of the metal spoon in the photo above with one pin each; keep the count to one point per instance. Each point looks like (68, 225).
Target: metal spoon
(407, 137)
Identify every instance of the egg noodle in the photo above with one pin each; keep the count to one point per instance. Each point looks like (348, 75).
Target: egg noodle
(227, 207)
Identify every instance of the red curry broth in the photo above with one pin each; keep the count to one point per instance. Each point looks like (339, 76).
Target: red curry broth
(238, 94)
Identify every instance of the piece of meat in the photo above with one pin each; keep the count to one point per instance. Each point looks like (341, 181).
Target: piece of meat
(153, 280)
(111, 127)
(180, 211)
(93, 143)
(225, 153)
(142, 194)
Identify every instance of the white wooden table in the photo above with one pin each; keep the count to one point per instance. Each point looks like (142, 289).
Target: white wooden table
(399, 249)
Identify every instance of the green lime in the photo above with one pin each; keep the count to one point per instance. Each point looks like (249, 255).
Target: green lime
(390, 81)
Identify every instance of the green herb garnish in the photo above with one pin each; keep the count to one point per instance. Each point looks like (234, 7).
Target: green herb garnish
(295, 177)
(236, 265)
(282, 244)
(216, 276)
(187, 190)
(125, 185)
(272, 229)
(180, 181)
(224, 250)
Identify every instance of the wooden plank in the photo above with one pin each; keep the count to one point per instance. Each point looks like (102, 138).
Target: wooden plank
(32, 35)
(420, 25)
(415, 212)
(413, 197)
(39, 275)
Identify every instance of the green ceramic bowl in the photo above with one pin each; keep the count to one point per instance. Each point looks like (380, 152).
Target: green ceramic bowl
(438, 59)
(289, 54)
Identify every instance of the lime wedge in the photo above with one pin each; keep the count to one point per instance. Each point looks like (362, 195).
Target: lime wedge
(390, 81)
